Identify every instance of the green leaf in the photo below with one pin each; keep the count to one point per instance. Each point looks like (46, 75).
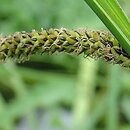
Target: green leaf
(117, 15)
(114, 18)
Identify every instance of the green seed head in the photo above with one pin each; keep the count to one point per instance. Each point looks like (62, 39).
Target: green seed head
(96, 44)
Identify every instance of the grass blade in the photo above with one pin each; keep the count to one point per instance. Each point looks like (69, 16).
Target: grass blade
(113, 17)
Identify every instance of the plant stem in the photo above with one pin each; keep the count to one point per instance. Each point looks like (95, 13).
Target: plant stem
(85, 94)
(96, 44)
(113, 97)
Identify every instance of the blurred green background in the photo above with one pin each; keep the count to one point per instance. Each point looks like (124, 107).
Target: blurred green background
(60, 92)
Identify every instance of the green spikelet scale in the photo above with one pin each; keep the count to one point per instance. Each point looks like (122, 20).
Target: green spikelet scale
(96, 44)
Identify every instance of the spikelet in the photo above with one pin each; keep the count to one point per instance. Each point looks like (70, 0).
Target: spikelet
(96, 44)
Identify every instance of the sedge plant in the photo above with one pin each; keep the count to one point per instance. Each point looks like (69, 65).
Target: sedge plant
(96, 44)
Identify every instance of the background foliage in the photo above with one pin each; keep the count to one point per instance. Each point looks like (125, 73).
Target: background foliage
(60, 92)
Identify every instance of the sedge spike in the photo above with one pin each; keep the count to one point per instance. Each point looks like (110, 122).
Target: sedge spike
(96, 44)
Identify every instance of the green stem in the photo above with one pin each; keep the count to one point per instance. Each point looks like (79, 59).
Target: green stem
(96, 44)
(113, 97)
(85, 94)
